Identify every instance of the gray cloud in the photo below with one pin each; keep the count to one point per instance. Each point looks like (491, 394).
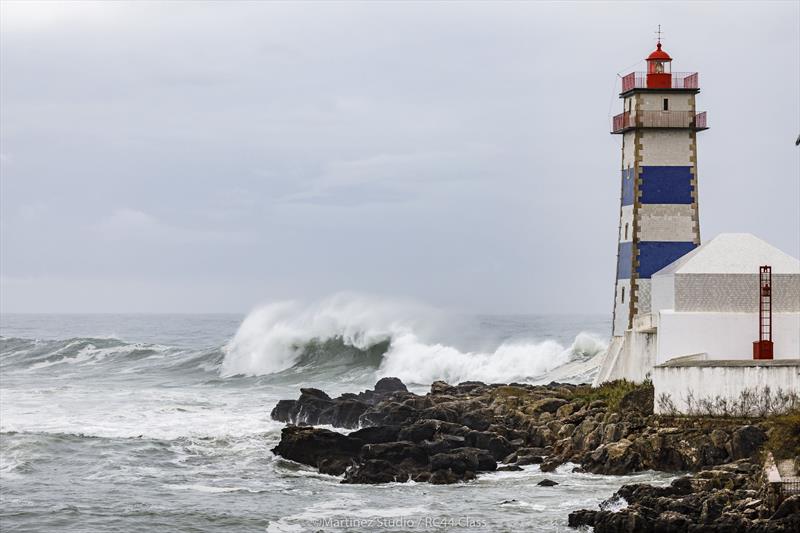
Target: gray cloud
(192, 156)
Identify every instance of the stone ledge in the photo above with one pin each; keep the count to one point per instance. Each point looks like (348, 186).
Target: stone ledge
(681, 362)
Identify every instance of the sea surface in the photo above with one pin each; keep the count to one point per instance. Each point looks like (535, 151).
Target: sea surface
(161, 422)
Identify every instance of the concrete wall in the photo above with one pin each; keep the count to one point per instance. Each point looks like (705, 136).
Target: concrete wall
(662, 290)
(723, 335)
(709, 382)
(630, 357)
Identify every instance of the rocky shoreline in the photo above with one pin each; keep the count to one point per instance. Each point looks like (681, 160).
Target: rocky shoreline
(455, 432)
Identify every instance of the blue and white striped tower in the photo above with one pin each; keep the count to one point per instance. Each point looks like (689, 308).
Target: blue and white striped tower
(659, 219)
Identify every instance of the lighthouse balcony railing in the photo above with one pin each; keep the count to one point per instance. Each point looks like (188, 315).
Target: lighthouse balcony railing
(658, 119)
(678, 80)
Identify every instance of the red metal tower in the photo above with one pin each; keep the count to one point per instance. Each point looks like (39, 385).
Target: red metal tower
(762, 348)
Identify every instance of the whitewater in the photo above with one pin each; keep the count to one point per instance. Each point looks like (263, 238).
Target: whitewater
(161, 422)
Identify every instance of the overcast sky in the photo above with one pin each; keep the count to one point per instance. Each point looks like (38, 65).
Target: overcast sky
(190, 156)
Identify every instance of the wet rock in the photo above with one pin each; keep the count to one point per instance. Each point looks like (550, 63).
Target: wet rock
(581, 518)
(389, 414)
(345, 413)
(377, 434)
(547, 483)
(395, 452)
(440, 387)
(375, 471)
(310, 446)
(390, 384)
(462, 460)
(498, 446)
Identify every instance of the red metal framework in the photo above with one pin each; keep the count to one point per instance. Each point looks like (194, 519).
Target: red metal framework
(678, 80)
(658, 119)
(762, 348)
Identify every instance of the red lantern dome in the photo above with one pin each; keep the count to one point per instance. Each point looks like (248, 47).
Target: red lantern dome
(659, 54)
(658, 69)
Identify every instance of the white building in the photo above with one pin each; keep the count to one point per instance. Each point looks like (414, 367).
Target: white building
(698, 338)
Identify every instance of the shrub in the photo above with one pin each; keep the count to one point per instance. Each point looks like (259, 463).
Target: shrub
(783, 433)
(610, 392)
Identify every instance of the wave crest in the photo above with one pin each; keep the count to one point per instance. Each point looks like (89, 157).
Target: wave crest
(349, 331)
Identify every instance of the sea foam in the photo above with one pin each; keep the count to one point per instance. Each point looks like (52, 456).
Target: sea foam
(273, 339)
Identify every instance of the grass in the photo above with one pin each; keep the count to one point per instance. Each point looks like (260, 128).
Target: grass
(610, 392)
(783, 433)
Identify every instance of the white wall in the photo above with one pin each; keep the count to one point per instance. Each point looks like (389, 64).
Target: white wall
(723, 335)
(630, 357)
(726, 382)
(662, 292)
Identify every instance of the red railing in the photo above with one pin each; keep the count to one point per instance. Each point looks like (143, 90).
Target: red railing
(700, 121)
(621, 122)
(680, 80)
(658, 119)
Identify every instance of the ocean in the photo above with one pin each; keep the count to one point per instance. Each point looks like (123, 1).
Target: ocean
(161, 422)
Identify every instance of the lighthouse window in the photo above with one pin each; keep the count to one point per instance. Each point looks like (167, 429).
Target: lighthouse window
(623, 294)
(626, 234)
(666, 104)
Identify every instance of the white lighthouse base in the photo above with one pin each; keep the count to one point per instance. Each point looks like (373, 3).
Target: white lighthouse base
(630, 356)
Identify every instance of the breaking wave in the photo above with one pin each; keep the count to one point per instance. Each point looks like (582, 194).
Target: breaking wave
(342, 338)
(395, 339)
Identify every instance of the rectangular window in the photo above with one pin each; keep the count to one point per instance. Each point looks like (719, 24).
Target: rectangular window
(666, 104)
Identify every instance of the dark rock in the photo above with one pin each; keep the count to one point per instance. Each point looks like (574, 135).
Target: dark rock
(669, 521)
(789, 507)
(389, 384)
(375, 471)
(746, 441)
(389, 414)
(529, 459)
(462, 460)
(548, 405)
(547, 483)
(479, 420)
(310, 446)
(581, 518)
(440, 412)
(509, 468)
(498, 446)
(442, 444)
(345, 413)
(639, 399)
(443, 477)
(376, 434)
(440, 387)
(395, 452)
(425, 429)
(314, 394)
(282, 411)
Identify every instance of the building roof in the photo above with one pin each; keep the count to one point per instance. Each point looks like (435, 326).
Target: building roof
(733, 253)
(659, 54)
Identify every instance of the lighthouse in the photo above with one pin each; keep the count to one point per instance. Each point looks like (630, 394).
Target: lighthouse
(659, 219)
(686, 314)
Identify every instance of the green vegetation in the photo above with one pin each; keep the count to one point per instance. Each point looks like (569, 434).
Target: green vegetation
(610, 392)
(509, 390)
(784, 435)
